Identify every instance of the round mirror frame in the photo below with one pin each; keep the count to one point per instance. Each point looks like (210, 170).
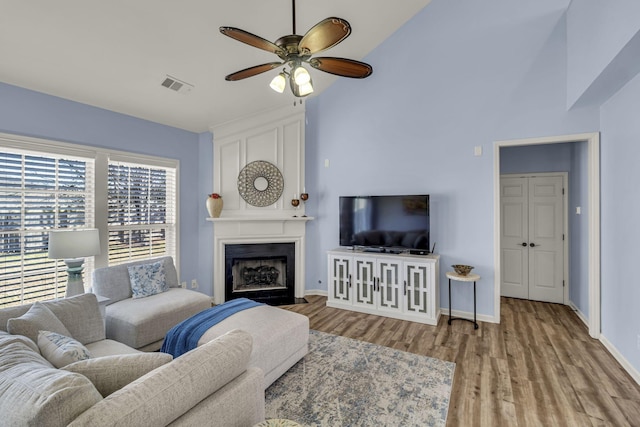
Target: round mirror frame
(252, 179)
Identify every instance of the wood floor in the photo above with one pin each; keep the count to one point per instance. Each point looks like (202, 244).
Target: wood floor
(538, 367)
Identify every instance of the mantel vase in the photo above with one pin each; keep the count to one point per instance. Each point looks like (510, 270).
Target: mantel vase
(214, 206)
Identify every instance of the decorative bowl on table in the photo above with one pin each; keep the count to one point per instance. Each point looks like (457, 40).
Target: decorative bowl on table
(462, 269)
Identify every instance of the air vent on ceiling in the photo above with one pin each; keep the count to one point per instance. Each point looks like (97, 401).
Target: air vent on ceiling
(176, 85)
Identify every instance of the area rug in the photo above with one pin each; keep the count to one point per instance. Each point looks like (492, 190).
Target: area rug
(346, 382)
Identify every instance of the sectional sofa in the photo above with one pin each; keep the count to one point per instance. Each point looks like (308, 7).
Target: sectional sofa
(119, 385)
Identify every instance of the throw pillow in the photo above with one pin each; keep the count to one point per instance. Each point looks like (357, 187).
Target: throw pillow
(147, 279)
(61, 350)
(111, 373)
(38, 318)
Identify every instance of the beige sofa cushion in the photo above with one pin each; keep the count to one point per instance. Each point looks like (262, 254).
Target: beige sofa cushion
(161, 396)
(80, 314)
(38, 318)
(34, 393)
(142, 321)
(111, 373)
(110, 348)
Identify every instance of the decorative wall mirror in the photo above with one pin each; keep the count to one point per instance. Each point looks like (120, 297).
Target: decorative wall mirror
(260, 183)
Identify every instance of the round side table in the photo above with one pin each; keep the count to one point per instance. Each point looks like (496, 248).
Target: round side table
(452, 275)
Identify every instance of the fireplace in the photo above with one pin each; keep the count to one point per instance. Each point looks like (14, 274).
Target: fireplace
(263, 272)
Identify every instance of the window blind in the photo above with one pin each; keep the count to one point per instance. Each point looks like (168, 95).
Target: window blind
(39, 192)
(142, 211)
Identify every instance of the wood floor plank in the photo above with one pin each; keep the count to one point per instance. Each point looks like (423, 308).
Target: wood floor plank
(538, 367)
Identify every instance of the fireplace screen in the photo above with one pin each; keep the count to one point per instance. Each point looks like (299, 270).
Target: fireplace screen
(259, 274)
(263, 272)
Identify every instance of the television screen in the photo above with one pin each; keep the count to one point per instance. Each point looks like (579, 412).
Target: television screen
(400, 222)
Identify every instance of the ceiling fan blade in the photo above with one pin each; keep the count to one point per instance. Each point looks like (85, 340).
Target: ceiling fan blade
(342, 67)
(325, 34)
(252, 71)
(251, 39)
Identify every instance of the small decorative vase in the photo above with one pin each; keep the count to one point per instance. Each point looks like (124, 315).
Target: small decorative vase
(214, 206)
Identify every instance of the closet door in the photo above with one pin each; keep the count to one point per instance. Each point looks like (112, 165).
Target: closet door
(532, 237)
(514, 230)
(546, 244)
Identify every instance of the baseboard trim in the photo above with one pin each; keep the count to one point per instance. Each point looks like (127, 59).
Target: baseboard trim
(580, 314)
(467, 315)
(621, 359)
(318, 292)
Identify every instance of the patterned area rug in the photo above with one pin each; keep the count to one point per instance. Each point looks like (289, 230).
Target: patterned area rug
(346, 382)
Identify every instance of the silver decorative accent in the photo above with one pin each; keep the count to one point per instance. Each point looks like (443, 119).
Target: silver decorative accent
(260, 183)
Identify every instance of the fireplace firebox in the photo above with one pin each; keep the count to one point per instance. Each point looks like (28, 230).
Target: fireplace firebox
(263, 272)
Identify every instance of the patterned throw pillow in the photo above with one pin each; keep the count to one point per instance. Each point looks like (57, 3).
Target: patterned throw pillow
(60, 350)
(147, 279)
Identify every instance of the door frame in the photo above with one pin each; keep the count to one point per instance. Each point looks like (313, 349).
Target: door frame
(565, 222)
(593, 210)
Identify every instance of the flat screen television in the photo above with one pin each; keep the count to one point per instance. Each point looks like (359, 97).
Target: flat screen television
(394, 222)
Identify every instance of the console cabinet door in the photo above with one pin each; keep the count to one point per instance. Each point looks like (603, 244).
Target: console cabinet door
(364, 276)
(389, 293)
(419, 278)
(340, 278)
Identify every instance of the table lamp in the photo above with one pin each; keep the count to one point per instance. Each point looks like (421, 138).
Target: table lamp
(73, 246)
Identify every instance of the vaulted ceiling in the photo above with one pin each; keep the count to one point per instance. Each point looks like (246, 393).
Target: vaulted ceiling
(115, 54)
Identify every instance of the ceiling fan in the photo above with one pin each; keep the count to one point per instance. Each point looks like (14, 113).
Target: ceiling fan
(295, 50)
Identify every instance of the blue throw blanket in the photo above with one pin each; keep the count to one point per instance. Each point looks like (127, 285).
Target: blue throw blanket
(185, 335)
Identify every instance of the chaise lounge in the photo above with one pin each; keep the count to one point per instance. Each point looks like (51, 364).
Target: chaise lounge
(142, 323)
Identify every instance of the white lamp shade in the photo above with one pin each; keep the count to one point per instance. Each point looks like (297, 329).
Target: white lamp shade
(278, 83)
(301, 76)
(306, 89)
(67, 244)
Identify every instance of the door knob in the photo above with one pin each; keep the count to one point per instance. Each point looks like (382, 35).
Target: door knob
(524, 244)
(532, 245)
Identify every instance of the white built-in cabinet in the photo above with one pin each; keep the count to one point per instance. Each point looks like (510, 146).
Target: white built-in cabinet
(399, 286)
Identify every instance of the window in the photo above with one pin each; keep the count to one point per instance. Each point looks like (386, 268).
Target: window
(47, 185)
(142, 207)
(39, 192)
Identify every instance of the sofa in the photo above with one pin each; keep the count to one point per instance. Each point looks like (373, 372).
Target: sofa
(113, 384)
(142, 323)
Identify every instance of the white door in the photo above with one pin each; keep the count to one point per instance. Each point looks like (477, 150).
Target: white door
(532, 238)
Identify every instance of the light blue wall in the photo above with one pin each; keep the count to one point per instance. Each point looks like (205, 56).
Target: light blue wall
(579, 228)
(437, 91)
(205, 228)
(570, 158)
(620, 205)
(603, 46)
(29, 113)
(535, 158)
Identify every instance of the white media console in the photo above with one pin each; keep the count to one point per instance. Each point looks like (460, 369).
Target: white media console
(401, 286)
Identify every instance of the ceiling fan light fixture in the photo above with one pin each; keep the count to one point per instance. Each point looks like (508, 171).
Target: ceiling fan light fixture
(306, 89)
(298, 90)
(278, 83)
(301, 75)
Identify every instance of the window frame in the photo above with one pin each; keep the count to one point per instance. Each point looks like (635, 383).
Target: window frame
(101, 158)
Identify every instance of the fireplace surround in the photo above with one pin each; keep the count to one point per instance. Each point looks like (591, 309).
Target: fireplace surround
(231, 232)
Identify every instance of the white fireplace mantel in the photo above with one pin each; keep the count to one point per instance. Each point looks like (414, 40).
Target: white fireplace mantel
(243, 230)
(277, 137)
